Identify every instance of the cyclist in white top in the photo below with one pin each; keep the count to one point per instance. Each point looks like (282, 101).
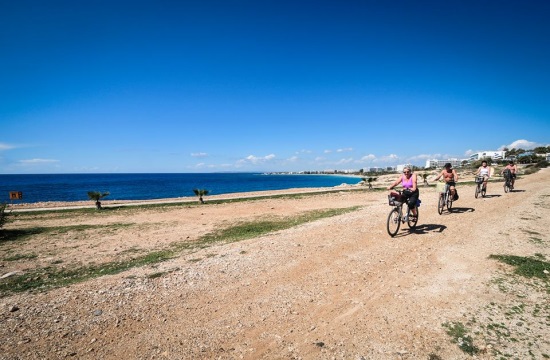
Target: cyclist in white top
(484, 171)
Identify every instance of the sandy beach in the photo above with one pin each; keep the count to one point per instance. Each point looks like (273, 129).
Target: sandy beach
(338, 287)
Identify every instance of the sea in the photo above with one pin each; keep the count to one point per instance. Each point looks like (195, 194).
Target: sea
(74, 187)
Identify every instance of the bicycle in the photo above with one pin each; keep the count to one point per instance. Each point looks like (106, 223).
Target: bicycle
(445, 197)
(480, 188)
(395, 217)
(508, 181)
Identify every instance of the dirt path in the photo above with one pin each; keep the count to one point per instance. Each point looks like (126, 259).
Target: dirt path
(336, 288)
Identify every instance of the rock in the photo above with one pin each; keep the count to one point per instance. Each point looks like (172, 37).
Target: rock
(12, 273)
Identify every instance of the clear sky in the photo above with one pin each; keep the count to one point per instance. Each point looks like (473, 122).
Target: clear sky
(270, 85)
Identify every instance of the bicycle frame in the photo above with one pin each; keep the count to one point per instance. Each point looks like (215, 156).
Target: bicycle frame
(445, 198)
(508, 184)
(480, 186)
(396, 218)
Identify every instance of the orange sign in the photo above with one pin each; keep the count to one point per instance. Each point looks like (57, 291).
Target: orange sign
(16, 195)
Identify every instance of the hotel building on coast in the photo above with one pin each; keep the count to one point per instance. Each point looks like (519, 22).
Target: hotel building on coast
(441, 163)
(494, 155)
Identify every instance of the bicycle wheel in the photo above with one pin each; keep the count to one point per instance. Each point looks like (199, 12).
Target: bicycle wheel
(506, 187)
(449, 201)
(478, 190)
(483, 191)
(394, 222)
(441, 204)
(413, 219)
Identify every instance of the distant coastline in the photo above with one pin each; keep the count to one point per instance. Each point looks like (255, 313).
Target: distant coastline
(74, 187)
(314, 174)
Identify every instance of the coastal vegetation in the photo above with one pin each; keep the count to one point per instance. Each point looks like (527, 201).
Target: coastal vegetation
(527, 156)
(200, 193)
(2, 215)
(369, 181)
(504, 324)
(96, 196)
(424, 177)
(527, 266)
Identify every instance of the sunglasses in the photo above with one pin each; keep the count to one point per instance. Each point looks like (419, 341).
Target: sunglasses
(406, 172)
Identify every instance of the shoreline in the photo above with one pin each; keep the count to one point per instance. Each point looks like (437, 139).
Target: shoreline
(106, 203)
(381, 182)
(61, 191)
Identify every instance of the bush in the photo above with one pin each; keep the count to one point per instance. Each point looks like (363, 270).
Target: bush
(533, 168)
(2, 215)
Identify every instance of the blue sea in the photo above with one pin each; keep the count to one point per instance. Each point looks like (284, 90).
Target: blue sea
(75, 187)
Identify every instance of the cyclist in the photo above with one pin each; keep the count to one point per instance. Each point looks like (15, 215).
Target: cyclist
(513, 171)
(450, 177)
(410, 190)
(484, 171)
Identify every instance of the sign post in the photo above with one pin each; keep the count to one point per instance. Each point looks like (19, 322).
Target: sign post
(16, 195)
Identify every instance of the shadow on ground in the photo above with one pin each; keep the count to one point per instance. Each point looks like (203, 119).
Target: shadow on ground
(422, 229)
(12, 235)
(461, 210)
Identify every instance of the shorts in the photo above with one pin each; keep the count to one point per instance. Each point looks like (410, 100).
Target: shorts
(411, 197)
(451, 183)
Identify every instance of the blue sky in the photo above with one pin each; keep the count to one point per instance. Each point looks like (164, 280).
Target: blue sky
(205, 86)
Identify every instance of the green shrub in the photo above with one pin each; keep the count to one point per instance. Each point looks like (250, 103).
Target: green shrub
(2, 215)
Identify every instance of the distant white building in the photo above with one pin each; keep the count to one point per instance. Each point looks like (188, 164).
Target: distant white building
(441, 163)
(400, 168)
(495, 155)
(376, 169)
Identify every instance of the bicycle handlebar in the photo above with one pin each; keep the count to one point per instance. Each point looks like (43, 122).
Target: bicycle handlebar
(399, 191)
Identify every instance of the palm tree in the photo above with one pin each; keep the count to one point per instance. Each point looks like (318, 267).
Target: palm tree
(370, 180)
(425, 177)
(200, 193)
(96, 196)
